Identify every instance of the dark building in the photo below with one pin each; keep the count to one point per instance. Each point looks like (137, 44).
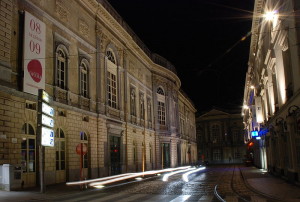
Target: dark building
(220, 137)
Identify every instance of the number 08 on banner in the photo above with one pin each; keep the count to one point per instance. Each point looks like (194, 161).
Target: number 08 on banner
(34, 54)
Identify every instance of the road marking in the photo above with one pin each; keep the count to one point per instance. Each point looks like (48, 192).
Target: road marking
(206, 198)
(181, 198)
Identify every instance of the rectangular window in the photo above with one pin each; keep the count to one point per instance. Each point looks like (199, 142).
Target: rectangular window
(216, 155)
(112, 90)
(61, 72)
(28, 154)
(83, 82)
(161, 113)
(60, 155)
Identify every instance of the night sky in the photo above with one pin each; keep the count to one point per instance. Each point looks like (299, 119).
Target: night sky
(202, 39)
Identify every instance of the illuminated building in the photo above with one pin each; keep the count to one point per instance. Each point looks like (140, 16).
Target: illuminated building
(272, 88)
(109, 93)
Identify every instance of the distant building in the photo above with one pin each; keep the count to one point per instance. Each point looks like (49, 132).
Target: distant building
(220, 137)
(109, 93)
(271, 97)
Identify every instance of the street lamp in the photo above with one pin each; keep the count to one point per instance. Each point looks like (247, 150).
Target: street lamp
(271, 15)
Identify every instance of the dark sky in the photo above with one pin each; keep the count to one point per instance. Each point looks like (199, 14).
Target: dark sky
(201, 39)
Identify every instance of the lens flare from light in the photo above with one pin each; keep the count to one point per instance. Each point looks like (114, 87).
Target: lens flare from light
(270, 15)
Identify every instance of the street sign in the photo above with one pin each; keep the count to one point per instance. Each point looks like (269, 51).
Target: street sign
(47, 121)
(46, 109)
(47, 137)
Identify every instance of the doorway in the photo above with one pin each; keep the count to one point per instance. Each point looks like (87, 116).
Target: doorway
(115, 155)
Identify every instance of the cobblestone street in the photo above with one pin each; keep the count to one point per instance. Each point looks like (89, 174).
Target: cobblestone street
(230, 183)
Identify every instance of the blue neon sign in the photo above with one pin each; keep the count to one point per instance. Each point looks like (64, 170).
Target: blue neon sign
(254, 133)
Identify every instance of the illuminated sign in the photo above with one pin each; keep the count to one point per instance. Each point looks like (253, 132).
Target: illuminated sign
(258, 138)
(47, 137)
(47, 121)
(254, 133)
(45, 96)
(46, 109)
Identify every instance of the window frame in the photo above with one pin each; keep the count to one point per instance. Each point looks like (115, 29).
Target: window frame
(59, 160)
(61, 61)
(28, 133)
(84, 78)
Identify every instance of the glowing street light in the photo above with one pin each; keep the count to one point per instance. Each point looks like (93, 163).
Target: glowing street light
(245, 107)
(270, 15)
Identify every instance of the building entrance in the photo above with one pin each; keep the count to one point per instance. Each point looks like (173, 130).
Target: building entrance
(166, 155)
(115, 155)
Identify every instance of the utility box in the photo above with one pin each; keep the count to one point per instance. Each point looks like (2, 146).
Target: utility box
(11, 177)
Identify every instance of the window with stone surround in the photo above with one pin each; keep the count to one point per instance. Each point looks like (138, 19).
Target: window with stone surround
(132, 102)
(84, 78)
(28, 148)
(112, 87)
(60, 147)
(161, 110)
(61, 67)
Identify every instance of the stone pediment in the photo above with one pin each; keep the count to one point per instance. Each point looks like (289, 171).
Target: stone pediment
(214, 112)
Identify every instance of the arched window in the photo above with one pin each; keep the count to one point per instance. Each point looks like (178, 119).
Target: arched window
(160, 91)
(28, 148)
(60, 147)
(111, 56)
(84, 78)
(61, 67)
(132, 102)
(161, 110)
(112, 87)
(84, 140)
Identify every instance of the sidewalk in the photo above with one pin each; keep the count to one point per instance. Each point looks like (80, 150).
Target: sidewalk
(34, 194)
(264, 183)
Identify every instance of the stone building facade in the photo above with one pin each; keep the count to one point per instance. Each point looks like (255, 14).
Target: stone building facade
(271, 96)
(220, 137)
(110, 93)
